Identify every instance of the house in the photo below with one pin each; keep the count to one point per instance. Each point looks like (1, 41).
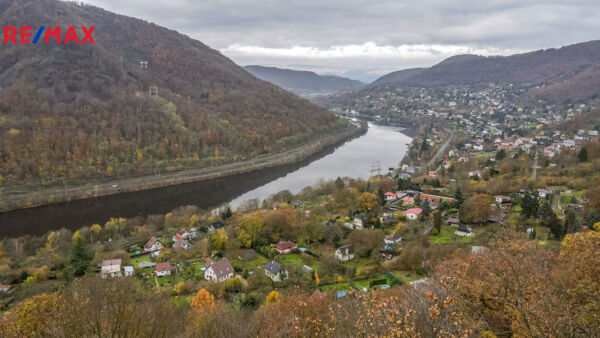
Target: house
(453, 222)
(185, 235)
(153, 245)
(111, 268)
(285, 247)
(128, 271)
(307, 269)
(215, 226)
(464, 231)
(163, 269)
(476, 173)
(276, 271)
(345, 253)
(218, 271)
(413, 213)
(4, 288)
(247, 255)
(392, 239)
(360, 221)
(181, 244)
(408, 201)
(390, 197)
(543, 193)
(501, 199)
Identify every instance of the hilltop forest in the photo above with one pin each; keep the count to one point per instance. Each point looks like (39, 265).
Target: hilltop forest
(142, 98)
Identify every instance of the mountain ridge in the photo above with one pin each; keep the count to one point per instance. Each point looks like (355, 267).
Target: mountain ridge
(304, 82)
(570, 67)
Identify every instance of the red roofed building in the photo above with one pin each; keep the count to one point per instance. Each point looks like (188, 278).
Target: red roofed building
(413, 213)
(163, 269)
(390, 196)
(285, 247)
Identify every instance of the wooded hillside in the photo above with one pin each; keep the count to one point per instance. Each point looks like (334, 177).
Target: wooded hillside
(85, 110)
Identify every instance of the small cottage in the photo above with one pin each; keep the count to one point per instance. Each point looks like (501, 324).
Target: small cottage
(163, 269)
(111, 268)
(276, 271)
(153, 245)
(345, 253)
(285, 247)
(413, 213)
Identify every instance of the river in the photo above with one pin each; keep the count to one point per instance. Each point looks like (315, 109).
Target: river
(381, 146)
(354, 158)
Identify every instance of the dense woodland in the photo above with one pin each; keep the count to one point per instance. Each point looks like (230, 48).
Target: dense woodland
(85, 110)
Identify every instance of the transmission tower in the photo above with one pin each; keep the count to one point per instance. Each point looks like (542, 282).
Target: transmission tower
(153, 91)
(535, 167)
(375, 168)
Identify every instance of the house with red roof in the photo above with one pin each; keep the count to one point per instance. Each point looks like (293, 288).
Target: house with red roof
(413, 213)
(390, 196)
(163, 269)
(285, 247)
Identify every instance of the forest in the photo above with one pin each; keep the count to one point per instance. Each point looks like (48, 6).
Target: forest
(142, 98)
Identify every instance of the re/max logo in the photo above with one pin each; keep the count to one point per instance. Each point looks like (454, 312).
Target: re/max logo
(57, 35)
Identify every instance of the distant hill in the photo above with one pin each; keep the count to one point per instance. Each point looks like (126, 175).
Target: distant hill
(304, 82)
(567, 73)
(85, 110)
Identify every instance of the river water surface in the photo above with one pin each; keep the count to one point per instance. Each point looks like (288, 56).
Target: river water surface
(354, 158)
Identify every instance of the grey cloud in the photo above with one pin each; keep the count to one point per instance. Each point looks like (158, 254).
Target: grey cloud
(491, 25)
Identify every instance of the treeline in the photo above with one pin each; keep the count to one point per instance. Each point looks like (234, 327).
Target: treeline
(514, 288)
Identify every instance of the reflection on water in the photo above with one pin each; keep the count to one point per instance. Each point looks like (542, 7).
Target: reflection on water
(353, 158)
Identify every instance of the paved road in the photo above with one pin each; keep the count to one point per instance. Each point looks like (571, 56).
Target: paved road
(442, 148)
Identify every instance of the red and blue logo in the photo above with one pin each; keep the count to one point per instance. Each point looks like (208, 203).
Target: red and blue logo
(58, 35)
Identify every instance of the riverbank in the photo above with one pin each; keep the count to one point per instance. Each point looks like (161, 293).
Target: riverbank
(91, 190)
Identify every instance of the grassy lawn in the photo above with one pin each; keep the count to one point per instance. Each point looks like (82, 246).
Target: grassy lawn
(358, 263)
(138, 260)
(447, 237)
(405, 276)
(251, 264)
(336, 287)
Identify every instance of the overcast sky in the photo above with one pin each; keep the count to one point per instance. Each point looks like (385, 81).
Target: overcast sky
(370, 35)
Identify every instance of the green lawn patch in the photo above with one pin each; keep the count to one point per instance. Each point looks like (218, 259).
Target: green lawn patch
(447, 237)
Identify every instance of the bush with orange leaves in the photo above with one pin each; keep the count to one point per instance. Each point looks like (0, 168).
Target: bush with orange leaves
(521, 289)
(202, 301)
(401, 311)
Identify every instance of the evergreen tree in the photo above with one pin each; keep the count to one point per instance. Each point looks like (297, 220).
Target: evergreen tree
(81, 256)
(228, 212)
(458, 198)
(426, 207)
(530, 204)
(583, 155)
(437, 221)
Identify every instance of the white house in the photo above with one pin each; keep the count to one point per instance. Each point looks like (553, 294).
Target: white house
(276, 271)
(218, 271)
(163, 269)
(475, 173)
(111, 268)
(128, 270)
(345, 253)
(392, 239)
(181, 244)
(390, 197)
(5, 288)
(360, 221)
(413, 213)
(153, 245)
